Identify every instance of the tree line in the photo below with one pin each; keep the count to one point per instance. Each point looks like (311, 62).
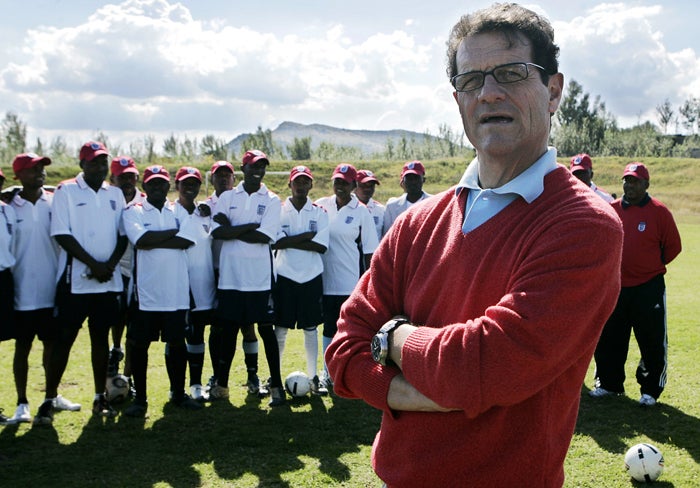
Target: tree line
(582, 124)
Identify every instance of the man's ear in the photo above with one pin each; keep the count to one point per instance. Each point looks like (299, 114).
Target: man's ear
(556, 89)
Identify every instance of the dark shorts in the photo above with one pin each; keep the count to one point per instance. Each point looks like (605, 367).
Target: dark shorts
(101, 309)
(200, 318)
(146, 327)
(36, 323)
(245, 307)
(7, 305)
(298, 305)
(124, 296)
(331, 313)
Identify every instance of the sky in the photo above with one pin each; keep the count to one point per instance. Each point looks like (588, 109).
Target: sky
(74, 68)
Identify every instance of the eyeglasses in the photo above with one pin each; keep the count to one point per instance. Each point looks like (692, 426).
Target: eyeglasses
(505, 73)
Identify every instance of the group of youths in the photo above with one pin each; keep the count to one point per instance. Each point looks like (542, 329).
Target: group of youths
(135, 262)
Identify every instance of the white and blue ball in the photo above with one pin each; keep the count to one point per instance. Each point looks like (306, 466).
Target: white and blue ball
(297, 384)
(644, 462)
(117, 388)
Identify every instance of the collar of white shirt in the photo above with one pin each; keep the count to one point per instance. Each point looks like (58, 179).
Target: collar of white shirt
(529, 184)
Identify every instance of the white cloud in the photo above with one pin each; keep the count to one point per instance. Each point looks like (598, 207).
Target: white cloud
(151, 67)
(616, 51)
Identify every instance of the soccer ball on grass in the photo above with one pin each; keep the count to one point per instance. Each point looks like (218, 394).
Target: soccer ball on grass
(297, 384)
(644, 462)
(117, 388)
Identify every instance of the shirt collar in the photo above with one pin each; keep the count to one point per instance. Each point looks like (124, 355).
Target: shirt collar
(529, 184)
(644, 201)
(262, 190)
(80, 179)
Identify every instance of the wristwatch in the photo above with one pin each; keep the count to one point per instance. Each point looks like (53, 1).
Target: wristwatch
(380, 342)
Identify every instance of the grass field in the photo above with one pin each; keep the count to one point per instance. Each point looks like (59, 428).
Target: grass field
(319, 442)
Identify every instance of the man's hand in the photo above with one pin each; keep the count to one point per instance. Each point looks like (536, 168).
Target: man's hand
(404, 396)
(221, 219)
(101, 272)
(204, 210)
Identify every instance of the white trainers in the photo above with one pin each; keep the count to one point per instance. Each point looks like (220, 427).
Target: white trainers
(601, 392)
(647, 400)
(326, 381)
(198, 393)
(21, 414)
(60, 403)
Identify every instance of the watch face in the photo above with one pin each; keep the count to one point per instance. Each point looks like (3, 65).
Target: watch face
(376, 347)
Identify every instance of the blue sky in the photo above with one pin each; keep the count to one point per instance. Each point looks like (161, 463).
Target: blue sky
(160, 67)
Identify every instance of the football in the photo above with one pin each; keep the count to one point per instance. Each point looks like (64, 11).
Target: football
(117, 388)
(297, 384)
(644, 462)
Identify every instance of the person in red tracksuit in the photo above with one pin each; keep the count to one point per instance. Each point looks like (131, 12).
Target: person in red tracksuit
(651, 242)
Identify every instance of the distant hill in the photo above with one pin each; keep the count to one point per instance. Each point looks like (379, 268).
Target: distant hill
(367, 141)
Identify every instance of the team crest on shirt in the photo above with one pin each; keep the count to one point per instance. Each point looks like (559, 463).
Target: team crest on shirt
(313, 225)
(348, 219)
(113, 204)
(642, 226)
(261, 209)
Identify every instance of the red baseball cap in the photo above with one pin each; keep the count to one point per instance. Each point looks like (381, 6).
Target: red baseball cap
(156, 171)
(123, 164)
(188, 172)
(345, 171)
(221, 164)
(638, 170)
(91, 150)
(413, 168)
(28, 160)
(580, 161)
(253, 156)
(365, 176)
(298, 171)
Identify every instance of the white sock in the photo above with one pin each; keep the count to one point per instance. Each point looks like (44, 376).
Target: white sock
(311, 347)
(281, 335)
(326, 343)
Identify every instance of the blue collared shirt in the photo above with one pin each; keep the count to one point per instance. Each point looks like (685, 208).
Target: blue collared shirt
(483, 204)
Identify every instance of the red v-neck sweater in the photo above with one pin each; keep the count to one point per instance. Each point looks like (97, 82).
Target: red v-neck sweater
(512, 314)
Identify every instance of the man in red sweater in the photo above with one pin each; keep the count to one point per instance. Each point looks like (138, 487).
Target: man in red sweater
(651, 242)
(499, 287)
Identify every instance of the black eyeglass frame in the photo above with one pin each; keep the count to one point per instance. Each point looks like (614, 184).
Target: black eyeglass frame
(493, 73)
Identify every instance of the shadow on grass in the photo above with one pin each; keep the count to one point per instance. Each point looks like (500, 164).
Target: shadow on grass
(249, 440)
(612, 421)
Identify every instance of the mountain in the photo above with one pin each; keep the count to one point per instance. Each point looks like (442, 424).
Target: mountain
(368, 141)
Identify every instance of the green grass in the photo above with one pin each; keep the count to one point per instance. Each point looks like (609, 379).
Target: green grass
(319, 442)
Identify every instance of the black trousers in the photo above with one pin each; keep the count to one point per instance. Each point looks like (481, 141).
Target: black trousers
(641, 309)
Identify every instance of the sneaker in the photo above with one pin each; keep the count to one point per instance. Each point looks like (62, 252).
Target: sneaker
(132, 391)
(60, 403)
(3, 419)
(115, 355)
(277, 397)
(255, 388)
(647, 401)
(218, 392)
(317, 388)
(326, 381)
(187, 403)
(197, 392)
(44, 415)
(102, 408)
(601, 392)
(210, 384)
(136, 409)
(21, 414)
